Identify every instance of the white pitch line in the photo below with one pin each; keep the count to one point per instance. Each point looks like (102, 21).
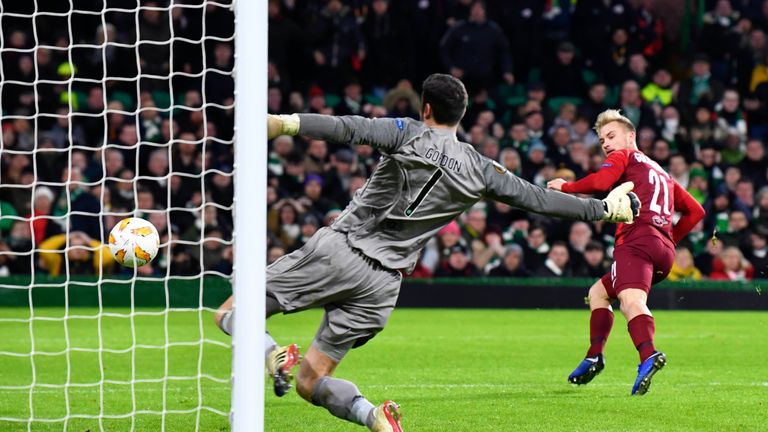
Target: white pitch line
(411, 386)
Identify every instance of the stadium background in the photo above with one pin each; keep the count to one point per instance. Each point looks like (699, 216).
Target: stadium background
(692, 75)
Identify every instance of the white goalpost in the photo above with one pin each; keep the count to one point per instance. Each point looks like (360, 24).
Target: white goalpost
(250, 164)
(131, 108)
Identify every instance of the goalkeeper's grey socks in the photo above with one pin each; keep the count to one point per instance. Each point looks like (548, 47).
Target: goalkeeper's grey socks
(342, 399)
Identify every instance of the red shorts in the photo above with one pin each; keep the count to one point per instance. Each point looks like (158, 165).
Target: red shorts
(640, 263)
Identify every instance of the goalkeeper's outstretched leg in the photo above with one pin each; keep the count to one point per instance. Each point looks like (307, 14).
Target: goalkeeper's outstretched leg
(279, 360)
(342, 398)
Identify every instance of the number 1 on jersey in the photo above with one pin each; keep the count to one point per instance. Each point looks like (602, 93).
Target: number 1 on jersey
(424, 191)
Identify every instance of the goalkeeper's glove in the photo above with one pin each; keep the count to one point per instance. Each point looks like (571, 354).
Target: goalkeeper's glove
(282, 125)
(621, 204)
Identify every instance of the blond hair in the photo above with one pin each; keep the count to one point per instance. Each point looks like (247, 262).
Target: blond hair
(612, 115)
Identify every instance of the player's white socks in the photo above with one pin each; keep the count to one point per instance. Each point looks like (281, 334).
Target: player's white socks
(342, 399)
(227, 322)
(269, 344)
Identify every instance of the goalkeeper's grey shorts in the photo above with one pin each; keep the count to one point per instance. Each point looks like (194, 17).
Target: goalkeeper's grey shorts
(357, 293)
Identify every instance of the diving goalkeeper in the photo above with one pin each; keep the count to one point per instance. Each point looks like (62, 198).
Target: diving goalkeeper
(352, 269)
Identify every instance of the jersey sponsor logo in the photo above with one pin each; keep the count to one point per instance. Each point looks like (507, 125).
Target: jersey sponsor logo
(400, 123)
(443, 161)
(499, 169)
(659, 221)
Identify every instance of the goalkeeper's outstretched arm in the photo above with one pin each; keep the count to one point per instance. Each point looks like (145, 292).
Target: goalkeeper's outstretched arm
(621, 205)
(386, 134)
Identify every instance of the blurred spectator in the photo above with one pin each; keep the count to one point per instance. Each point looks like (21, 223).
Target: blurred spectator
(557, 263)
(316, 159)
(683, 269)
(402, 101)
(633, 106)
(731, 124)
(84, 254)
(595, 264)
(720, 36)
(352, 99)
(582, 132)
(737, 233)
(731, 266)
(42, 225)
(592, 23)
(564, 75)
(700, 89)
(283, 221)
(382, 31)
(457, 264)
(536, 247)
(678, 169)
(758, 252)
(338, 47)
(339, 176)
(558, 152)
(615, 64)
(15, 250)
(154, 27)
(215, 253)
(438, 249)
(273, 253)
(512, 264)
(477, 51)
(285, 37)
(596, 100)
(659, 91)
(754, 166)
(579, 238)
(313, 201)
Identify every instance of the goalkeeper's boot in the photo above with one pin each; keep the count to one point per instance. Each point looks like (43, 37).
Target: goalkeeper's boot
(587, 370)
(646, 370)
(279, 363)
(386, 418)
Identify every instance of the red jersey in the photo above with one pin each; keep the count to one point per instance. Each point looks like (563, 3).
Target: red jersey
(661, 196)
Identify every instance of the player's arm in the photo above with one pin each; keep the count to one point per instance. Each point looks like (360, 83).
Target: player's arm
(601, 181)
(692, 212)
(501, 185)
(386, 134)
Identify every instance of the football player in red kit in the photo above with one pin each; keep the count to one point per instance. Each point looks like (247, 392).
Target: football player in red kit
(644, 250)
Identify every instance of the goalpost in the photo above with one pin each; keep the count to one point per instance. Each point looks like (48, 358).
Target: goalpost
(126, 108)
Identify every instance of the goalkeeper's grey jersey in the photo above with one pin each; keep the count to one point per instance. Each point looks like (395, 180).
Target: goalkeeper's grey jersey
(426, 177)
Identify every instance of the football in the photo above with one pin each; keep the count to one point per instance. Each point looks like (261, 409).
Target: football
(134, 242)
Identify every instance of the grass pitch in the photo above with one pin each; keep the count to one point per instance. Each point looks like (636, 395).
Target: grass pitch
(450, 370)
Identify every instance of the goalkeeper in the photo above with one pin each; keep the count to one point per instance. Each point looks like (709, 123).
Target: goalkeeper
(425, 179)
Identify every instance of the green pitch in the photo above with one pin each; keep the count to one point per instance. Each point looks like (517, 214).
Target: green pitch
(489, 370)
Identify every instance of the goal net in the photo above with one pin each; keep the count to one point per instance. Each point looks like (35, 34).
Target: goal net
(114, 109)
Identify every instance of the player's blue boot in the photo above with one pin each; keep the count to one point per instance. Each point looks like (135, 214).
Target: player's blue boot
(646, 370)
(587, 369)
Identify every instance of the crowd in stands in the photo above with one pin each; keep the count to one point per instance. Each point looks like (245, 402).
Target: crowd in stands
(694, 82)
(140, 126)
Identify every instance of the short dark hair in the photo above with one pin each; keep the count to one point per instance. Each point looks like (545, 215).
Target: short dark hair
(447, 97)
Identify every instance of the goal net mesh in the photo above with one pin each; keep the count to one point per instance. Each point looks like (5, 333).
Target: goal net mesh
(114, 109)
